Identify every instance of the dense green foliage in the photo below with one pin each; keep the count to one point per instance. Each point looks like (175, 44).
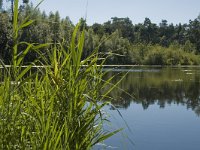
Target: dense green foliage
(56, 106)
(122, 41)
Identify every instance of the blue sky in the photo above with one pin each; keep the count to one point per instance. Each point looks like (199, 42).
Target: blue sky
(174, 11)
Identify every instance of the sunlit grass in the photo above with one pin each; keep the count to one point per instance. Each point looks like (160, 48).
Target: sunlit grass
(57, 106)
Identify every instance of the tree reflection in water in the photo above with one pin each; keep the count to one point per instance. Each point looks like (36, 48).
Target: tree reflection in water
(159, 86)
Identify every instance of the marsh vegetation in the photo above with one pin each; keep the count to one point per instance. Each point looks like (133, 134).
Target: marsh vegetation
(57, 106)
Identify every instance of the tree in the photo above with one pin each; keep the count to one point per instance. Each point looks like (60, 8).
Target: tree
(180, 34)
(117, 47)
(149, 31)
(54, 22)
(125, 26)
(108, 27)
(66, 29)
(98, 29)
(194, 33)
(163, 33)
(91, 42)
(5, 37)
(25, 1)
(1, 4)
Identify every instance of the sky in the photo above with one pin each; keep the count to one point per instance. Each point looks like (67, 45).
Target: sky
(100, 11)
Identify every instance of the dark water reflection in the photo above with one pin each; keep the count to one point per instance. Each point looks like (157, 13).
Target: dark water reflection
(161, 86)
(160, 105)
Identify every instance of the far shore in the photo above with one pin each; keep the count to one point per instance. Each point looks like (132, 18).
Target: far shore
(182, 66)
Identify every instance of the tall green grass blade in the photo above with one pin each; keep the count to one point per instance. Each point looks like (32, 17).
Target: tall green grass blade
(106, 136)
(25, 24)
(22, 73)
(15, 19)
(21, 56)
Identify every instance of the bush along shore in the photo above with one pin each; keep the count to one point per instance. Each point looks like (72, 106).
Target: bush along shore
(56, 107)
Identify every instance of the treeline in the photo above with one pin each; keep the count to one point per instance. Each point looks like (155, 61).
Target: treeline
(121, 41)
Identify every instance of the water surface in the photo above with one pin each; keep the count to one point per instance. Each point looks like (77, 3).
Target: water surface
(163, 111)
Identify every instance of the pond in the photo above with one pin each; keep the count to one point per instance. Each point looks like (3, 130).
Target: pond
(161, 111)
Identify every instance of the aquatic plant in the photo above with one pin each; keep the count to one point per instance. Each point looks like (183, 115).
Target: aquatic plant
(55, 106)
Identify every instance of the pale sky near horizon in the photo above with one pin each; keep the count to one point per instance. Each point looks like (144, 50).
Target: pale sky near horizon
(100, 11)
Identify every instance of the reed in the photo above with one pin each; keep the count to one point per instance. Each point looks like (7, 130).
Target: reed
(56, 107)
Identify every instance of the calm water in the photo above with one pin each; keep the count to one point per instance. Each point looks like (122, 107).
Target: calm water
(163, 112)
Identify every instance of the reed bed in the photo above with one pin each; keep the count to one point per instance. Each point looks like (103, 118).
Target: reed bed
(56, 107)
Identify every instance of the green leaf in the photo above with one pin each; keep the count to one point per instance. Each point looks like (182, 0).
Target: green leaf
(15, 18)
(23, 72)
(106, 136)
(21, 57)
(26, 24)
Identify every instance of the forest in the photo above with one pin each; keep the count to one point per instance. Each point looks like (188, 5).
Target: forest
(119, 40)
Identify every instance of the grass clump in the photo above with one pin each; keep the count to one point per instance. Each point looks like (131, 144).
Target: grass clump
(54, 107)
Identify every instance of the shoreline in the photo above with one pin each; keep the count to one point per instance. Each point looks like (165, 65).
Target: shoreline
(159, 66)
